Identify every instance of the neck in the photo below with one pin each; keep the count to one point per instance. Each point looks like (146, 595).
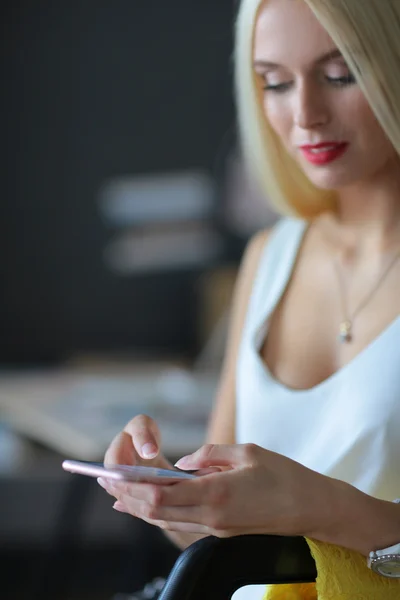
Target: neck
(368, 217)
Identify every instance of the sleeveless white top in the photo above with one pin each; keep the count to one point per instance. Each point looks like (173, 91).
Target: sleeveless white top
(348, 426)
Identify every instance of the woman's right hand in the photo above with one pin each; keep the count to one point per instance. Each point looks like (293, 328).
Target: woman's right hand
(137, 444)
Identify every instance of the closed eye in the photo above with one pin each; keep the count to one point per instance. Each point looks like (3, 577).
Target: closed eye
(335, 81)
(341, 81)
(279, 87)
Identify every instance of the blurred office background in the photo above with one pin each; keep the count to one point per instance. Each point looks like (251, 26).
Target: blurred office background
(125, 210)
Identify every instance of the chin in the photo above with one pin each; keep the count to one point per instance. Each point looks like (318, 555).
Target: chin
(330, 179)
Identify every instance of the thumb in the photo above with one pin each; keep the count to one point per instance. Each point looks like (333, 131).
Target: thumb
(213, 455)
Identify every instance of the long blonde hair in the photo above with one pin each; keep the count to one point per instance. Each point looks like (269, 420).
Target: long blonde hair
(367, 32)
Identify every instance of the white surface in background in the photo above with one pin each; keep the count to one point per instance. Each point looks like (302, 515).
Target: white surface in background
(145, 251)
(158, 197)
(250, 592)
(79, 414)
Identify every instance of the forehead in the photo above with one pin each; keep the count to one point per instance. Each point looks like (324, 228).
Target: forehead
(288, 33)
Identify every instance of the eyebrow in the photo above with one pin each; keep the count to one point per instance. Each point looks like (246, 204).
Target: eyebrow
(321, 60)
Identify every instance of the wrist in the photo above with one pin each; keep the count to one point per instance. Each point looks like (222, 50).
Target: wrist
(358, 521)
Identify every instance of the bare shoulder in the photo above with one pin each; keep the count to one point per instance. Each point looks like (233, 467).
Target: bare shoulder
(245, 281)
(221, 428)
(248, 268)
(256, 246)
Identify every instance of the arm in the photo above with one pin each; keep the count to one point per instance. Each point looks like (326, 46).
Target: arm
(357, 521)
(221, 428)
(265, 492)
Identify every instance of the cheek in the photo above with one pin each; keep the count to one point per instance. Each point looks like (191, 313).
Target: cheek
(355, 114)
(368, 130)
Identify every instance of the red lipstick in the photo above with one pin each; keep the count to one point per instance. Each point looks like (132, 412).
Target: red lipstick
(324, 153)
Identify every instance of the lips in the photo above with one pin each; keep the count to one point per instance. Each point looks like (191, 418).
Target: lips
(324, 153)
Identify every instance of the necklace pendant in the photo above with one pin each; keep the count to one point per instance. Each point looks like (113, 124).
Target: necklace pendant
(345, 335)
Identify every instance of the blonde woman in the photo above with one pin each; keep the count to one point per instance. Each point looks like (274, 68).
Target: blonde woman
(306, 426)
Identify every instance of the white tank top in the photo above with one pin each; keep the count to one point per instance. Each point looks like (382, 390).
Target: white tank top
(348, 426)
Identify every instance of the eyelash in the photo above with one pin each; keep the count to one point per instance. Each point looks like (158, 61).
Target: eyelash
(339, 82)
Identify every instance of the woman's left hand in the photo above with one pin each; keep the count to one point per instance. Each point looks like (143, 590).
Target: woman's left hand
(258, 492)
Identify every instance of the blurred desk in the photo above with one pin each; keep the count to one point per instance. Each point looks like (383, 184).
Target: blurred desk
(74, 412)
(77, 410)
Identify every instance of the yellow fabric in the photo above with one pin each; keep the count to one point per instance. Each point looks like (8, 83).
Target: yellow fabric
(342, 575)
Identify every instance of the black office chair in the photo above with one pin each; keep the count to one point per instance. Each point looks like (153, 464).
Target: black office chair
(213, 568)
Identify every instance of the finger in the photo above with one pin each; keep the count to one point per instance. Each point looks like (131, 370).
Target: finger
(121, 451)
(128, 504)
(155, 494)
(120, 507)
(141, 510)
(104, 483)
(177, 495)
(178, 527)
(133, 509)
(209, 490)
(145, 436)
(147, 512)
(196, 516)
(136, 491)
(213, 455)
(208, 471)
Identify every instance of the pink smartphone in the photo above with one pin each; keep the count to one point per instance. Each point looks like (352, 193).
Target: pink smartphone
(127, 472)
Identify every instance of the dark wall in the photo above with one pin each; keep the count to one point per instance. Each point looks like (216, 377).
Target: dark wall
(92, 90)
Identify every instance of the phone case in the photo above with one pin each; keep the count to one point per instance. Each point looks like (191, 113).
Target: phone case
(126, 472)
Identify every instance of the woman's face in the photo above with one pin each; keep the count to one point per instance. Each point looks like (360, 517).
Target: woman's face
(311, 99)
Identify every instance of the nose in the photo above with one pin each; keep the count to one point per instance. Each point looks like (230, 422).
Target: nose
(310, 109)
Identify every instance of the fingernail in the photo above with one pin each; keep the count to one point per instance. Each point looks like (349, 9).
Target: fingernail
(102, 483)
(182, 462)
(119, 507)
(149, 450)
